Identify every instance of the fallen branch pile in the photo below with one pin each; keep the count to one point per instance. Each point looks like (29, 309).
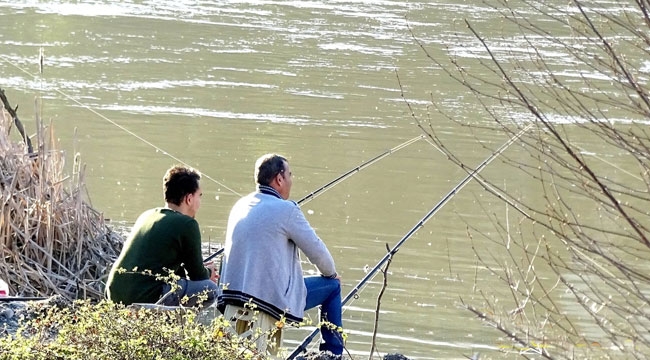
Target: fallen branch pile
(51, 241)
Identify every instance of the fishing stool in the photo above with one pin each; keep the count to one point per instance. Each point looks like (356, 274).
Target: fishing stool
(257, 326)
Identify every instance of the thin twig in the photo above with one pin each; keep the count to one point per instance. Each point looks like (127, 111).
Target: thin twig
(384, 271)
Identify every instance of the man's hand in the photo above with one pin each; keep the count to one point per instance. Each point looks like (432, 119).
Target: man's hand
(214, 276)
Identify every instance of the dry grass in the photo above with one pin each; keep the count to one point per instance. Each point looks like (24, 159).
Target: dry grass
(51, 241)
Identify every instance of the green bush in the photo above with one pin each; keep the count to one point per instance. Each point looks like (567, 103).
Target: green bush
(110, 331)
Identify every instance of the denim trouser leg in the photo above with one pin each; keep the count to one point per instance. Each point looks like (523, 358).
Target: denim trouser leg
(192, 289)
(326, 293)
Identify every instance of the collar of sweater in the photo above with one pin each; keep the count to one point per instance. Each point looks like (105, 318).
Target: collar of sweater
(264, 189)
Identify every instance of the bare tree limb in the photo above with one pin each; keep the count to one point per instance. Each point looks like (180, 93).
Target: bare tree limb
(17, 122)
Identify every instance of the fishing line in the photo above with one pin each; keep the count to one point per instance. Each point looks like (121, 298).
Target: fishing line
(312, 195)
(471, 175)
(87, 107)
(305, 199)
(593, 154)
(487, 186)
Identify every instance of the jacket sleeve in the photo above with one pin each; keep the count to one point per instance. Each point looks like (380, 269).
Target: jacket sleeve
(192, 256)
(303, 235)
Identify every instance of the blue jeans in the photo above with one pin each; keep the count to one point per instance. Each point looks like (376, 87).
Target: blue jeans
(192, 289)
(326, 293)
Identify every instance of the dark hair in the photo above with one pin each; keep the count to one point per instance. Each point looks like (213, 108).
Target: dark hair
(178, 182)
(267, 167)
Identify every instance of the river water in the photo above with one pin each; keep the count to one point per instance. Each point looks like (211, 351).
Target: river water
(215, 84)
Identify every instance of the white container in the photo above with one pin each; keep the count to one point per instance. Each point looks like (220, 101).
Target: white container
(4, 288)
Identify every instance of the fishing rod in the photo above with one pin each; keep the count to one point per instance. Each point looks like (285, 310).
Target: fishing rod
(312, 195)
(303, 346)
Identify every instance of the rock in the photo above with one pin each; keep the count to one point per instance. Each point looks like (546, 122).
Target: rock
(318, 355)
(326, 355)
(14, 313)
(7, 313)
(10, 317)
(395, 357)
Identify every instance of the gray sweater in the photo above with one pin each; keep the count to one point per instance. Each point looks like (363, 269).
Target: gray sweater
(261, 261)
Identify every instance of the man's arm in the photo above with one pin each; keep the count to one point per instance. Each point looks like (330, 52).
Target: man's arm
(192, 255)
(304, 236)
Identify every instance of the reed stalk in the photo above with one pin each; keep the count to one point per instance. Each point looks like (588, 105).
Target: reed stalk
(52, 242)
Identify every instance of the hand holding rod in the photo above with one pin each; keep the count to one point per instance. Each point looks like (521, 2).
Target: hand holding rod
(303, 346)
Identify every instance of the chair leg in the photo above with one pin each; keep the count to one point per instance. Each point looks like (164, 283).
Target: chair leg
(256, 326)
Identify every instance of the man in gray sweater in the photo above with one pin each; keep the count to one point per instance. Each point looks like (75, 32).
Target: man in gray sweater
(261, 262)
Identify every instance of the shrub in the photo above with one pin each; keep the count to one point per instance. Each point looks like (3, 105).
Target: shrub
(110, 331)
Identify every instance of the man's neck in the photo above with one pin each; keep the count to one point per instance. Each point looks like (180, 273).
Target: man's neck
(270, 190)
(175, 208)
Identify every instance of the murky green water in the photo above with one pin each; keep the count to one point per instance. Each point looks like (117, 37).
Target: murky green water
(216, 84)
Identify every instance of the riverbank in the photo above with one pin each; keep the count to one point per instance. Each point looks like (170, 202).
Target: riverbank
(108, 331)
(58, 247)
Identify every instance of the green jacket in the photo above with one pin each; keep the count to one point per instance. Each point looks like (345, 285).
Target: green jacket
(162, 240)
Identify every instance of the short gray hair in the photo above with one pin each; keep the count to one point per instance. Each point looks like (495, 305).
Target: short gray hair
(267, 167)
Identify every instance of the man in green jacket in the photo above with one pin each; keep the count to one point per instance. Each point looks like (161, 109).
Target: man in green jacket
(166, 241)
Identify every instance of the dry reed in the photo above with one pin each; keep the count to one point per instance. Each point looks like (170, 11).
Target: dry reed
(52, 242)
